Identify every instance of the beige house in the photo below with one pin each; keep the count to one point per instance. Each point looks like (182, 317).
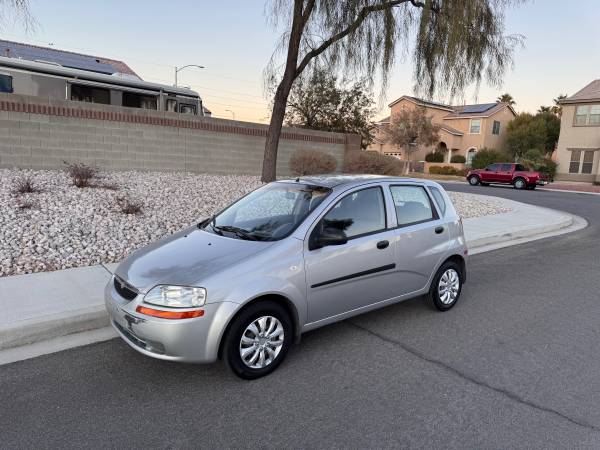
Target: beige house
(464, 129)
(578, 149)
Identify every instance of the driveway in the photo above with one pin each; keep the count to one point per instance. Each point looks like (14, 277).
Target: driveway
(514, 365)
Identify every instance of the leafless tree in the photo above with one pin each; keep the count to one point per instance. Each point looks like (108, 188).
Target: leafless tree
(411, 128)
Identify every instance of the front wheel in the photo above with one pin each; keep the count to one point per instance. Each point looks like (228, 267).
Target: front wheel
(473, 180)
(258, 340)
(520, 183)
(446, 286)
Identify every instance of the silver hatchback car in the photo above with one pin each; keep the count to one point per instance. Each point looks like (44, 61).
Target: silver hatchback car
(289, 257)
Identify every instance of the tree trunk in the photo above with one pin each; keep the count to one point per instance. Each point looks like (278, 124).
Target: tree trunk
(269, 169)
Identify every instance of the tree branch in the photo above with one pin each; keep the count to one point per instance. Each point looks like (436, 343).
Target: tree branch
(362, 15)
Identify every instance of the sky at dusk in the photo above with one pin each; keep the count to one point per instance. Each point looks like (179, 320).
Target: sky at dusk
(233, 41)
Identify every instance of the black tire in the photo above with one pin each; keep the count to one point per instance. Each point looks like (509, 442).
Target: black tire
(520, 183)
(474, 180)
(231, 344)
(434, 295)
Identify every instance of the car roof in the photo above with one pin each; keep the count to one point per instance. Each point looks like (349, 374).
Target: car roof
(335, 180)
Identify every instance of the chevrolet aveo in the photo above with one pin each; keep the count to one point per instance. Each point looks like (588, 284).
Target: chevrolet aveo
(289, 257)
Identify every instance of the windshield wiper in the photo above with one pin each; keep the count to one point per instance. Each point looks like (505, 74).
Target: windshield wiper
(240, 232)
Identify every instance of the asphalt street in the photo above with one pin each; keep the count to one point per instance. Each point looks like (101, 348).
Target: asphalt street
(514, 365)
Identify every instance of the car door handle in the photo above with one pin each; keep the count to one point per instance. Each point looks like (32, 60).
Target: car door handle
(383, 244)
(439, 230)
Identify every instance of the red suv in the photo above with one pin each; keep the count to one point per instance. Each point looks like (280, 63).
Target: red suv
(507, 173)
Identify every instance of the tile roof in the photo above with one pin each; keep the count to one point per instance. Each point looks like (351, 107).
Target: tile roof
(588, 93)
(422, 102)
(451, 130)
(65, 58)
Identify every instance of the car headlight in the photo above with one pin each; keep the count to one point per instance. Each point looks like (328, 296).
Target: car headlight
(176, 296)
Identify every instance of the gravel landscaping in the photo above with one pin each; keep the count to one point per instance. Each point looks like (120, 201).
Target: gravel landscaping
(63, 226)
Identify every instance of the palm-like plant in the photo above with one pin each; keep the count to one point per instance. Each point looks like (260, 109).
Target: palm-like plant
(506, 98)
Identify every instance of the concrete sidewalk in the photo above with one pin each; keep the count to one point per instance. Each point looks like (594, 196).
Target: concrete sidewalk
(42, 306)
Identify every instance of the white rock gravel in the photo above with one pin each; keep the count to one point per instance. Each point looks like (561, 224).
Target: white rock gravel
(67, 227)
(473, 205)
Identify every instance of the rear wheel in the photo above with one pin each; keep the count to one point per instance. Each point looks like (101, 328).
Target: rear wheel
(258, 340)
(520, 183)
(446, 286)
(473, 180)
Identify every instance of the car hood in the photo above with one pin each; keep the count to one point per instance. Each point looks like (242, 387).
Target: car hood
(185, 258)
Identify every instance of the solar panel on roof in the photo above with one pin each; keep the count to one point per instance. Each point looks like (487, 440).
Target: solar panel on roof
(478, 108)
(71, 60)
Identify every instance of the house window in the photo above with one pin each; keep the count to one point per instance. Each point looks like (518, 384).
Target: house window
(577, 166)
(475, 126)
(588, 161)
(132, 100)
(90, 94)
(574, 164)
(496, 127)
(587, 115)
(6, 84)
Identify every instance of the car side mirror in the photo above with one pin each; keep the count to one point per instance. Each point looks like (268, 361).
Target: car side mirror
(330, 236)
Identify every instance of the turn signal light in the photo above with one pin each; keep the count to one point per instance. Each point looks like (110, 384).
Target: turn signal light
(170, 314)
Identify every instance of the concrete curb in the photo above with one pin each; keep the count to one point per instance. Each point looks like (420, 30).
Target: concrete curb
(36, 329)
(521, 233)
(48, 327)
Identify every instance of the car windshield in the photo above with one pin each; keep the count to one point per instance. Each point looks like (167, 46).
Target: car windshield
(269, 213)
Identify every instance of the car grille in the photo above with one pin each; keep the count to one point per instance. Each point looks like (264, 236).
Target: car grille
(124, 290)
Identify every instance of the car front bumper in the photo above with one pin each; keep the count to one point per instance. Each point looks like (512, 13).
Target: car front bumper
(187, 340)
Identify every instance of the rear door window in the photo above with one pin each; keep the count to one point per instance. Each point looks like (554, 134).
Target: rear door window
(412, 205)
(506, 167)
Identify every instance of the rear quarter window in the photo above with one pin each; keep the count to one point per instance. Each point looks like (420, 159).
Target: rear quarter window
(439, 199)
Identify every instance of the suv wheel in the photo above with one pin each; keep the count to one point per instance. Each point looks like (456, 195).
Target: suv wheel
(446, 286)
(520, 183)
(474, 180)
(258, 340)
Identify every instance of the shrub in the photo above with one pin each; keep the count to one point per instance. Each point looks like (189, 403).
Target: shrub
(536, 160)
(458, 159)
(447, 170)
(436, 157)
(24, 185)
(81, 174)
(312, 162)
(129, 206)
(372, 163)
(485, 157)
(596, 183)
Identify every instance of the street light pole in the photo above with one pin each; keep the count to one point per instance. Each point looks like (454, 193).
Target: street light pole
(178, 69)
(232, 113)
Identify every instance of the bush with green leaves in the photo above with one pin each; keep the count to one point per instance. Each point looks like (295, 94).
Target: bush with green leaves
(447, 170)
(460, 159)
(534, 159)
(373, 163)
(435, 157)
(487, 156)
